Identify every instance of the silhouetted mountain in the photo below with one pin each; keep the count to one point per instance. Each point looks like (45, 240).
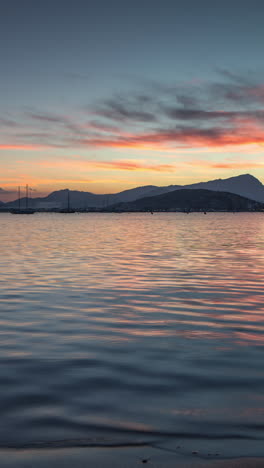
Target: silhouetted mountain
(187, 199)
(83, 200)
(245, 185)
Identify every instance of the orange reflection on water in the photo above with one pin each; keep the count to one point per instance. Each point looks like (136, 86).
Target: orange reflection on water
(158, 276)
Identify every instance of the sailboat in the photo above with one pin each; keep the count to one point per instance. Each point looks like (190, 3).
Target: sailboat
(20, 210)
(68, 209)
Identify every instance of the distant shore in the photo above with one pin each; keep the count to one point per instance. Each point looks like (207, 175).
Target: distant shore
(186, 211)
(116, 457)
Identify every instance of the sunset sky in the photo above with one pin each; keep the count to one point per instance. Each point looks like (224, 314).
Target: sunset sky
(109, 95)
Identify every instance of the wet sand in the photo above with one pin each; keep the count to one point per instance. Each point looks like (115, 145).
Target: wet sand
(117, 457)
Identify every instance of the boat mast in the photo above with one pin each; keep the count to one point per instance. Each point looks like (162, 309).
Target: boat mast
(18, 197)
(68, 200)
(26, 196)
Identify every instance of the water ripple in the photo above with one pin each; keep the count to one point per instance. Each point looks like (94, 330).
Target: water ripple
(131, 328)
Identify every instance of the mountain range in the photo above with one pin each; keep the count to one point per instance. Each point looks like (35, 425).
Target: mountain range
(244, 185)
(187, 200)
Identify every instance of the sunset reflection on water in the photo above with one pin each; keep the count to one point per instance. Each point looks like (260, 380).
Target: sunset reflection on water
(164, 312)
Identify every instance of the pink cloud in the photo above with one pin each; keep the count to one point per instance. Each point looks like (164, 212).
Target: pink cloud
(126, 165)
(24, 147)
(226, 164)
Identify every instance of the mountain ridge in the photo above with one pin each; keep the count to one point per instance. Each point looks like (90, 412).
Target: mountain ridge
(185, 200)
(244, 185)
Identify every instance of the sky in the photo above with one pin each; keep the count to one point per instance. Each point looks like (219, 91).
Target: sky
(109, 95)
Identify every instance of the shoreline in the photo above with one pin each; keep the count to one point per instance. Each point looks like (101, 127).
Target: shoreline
(105, 211)
(118, 457)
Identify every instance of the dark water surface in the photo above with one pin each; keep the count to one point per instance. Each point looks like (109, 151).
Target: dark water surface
(130, 328)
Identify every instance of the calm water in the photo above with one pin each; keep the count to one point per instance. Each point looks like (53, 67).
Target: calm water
(127, 328)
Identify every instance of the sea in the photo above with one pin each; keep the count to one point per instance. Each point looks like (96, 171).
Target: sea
(121, 329)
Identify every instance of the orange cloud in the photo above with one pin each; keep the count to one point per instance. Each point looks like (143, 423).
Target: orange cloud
(240, 130)
(237, 165)
(243, 132)
(126, 165)
(21, 147)
(226, 164)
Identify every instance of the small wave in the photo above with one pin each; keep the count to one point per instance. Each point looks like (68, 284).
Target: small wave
(72, 443)
(151, 438)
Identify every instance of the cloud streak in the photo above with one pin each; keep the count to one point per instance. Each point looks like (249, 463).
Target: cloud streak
(191, 137)
(244, 164)
(132, 166)
(123, 165)
(23, 147)
(225, 114)
(122, 110)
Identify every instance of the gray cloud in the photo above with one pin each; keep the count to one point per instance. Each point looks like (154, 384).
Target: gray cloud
(124, 111)
(227, 111)
(8, 123)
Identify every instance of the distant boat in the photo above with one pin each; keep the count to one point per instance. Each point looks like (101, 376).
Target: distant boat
(68, 209)
(20, 210)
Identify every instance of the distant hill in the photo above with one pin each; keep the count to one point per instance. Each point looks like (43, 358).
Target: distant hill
(82, 200)
(190, 200)
(245, 185)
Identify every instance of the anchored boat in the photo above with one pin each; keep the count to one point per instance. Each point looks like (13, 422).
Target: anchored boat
(68, 209)
(20, 210)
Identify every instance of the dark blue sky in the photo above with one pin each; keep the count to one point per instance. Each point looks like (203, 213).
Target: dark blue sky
(45, 45)
(64, 58)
